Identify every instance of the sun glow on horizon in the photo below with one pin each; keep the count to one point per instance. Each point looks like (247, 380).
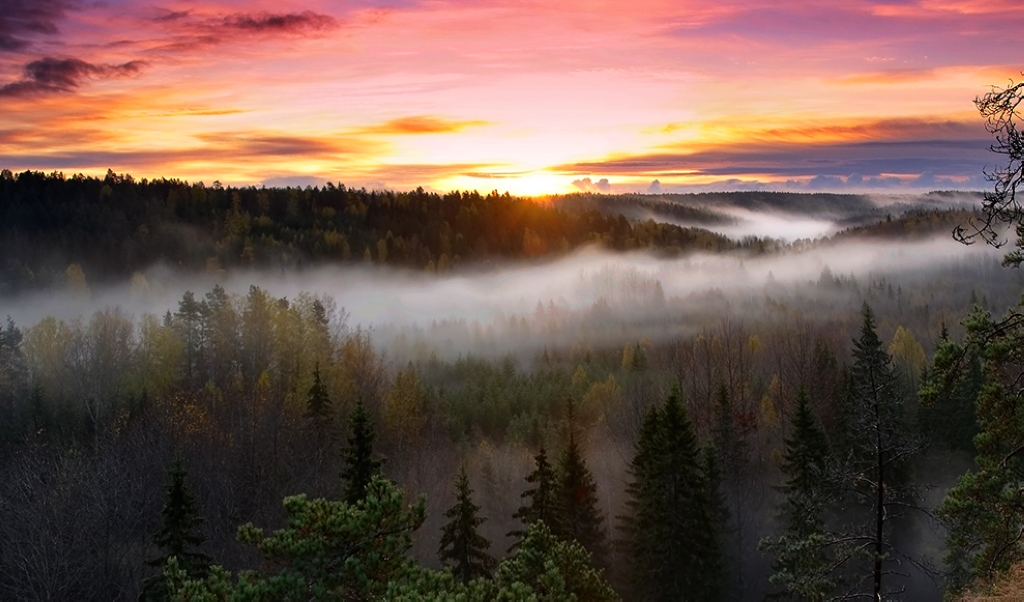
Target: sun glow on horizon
(532, 99)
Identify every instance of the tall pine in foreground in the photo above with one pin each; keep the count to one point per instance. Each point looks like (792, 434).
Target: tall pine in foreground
(358, 465)
(542, 496)
(802, 566)
(178, 537)
(673, 529)
(462, 546)
(874, 472)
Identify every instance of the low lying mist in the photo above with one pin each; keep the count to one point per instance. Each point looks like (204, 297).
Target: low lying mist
(591, 294)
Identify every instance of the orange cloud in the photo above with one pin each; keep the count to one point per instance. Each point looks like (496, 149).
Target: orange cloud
(892, 76)
(421, 124)
(870, 130)
(926, 8)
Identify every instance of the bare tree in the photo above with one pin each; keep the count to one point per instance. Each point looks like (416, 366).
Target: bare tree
(1001, 109)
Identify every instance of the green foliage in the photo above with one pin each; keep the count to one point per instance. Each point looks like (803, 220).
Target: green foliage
(805, 464)
(544, 568)
(461, 544)
(802, 565)
(673, 530)
(334, 551)
(359, 467)
(948, 395)
(553, 568)
(983, 511)
(178, 538)
(330, 550)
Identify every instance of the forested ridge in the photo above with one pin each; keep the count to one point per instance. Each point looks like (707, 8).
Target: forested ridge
(114, 226)
(793, 439)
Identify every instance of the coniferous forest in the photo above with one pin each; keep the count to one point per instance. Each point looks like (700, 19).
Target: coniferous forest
(207, 406)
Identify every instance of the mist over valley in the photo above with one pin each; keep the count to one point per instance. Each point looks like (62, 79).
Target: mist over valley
(501, 327)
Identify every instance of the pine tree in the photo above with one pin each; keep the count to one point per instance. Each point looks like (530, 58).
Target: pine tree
(461, 543)
(328, 550)
(543, 502)
(983, 511)
(579, 518)
(802, 565)
(553, 569)
(358, 465)
(673, 528)
(178, 538)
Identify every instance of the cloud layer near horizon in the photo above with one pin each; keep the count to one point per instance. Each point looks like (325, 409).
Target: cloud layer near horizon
(524, 96)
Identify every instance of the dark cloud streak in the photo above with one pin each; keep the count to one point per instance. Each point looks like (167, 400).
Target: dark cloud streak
(189, 30)
(268, 22)
(21, 18)
(168, 16)
(55, 76)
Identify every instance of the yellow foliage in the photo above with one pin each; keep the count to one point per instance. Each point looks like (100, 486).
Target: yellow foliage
(76, 281)
(770, 403)
(603, 399)
(579, 379)
(627, 357)
(906, 351)
(754, 344)
(405, 411)
(769, 413)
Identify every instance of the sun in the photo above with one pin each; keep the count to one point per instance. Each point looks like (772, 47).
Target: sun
(529, 183)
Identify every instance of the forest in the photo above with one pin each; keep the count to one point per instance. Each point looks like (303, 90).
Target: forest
(217, 393)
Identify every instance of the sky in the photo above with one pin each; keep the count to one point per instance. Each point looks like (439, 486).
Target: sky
(522, 96)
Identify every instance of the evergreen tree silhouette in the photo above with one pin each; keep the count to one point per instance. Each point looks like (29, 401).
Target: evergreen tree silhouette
(178, 537)
(358, 465)
(461, 544)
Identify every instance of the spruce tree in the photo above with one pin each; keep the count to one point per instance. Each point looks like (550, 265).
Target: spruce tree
(718, 521)
(318, 413)
(358, 465)
(673, 530)
(948, 394)
(579, 518)
(543, 502)
(178, 537)
(726, 465)
(461, 544)
(802, 564)
(318, 403)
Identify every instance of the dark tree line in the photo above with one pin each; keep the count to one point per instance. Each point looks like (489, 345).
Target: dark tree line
(116, 225)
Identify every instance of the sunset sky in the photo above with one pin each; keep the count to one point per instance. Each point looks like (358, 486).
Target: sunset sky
(519, 95)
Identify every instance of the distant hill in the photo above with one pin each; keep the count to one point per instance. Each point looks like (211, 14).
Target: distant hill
(113, 226)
